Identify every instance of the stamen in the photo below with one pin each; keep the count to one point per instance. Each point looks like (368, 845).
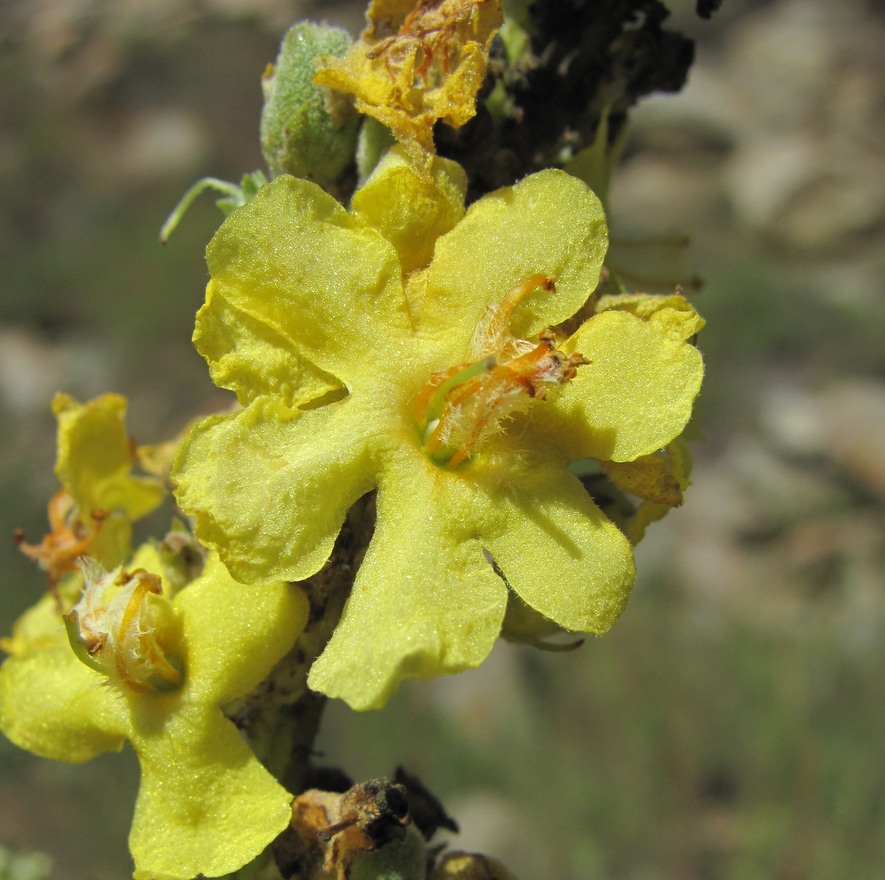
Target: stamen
(432, 399)
(493, 334)
(68, 539)
(460, 408)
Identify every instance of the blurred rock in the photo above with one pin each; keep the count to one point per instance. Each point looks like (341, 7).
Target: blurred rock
(845, 423)
(807, 74)
(487, 823)
(481, 701)
(160, 143)
(784, 528)
(854, 413)
(32, 370)
(786, 124)
(792, 418)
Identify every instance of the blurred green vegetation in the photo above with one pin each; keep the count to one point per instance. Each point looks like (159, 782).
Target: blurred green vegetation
(668, 748)
(24, 866)
(732, 725)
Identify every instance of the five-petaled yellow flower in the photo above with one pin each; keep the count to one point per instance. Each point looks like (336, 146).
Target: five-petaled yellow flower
(155, 671)
(406, 346)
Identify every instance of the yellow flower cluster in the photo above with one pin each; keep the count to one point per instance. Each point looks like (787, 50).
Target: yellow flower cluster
(417, 63)
(457, 361)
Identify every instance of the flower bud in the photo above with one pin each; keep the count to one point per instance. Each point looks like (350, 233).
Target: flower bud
(125, 629)
(307, 130)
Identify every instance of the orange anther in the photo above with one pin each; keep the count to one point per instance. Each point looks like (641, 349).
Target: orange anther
(68, 538)
(459, 408)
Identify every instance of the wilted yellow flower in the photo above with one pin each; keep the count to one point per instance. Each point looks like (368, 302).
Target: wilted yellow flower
(364, 364)
(155, 672)
(417, 63)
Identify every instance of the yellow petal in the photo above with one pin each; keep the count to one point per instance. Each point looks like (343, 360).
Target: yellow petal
(39, 627)
(113, 542)
(672, 314)
(225, 622)
(650, 477)
(54, 706)
(559, 552)
(156, 458)
(95, 457)
(411, 212)
(425, 601)
(634, 396)
(251, 359)
(270, 487)
(549, 223)
(678, 464)
(93, 446)
(206, 806)
(294, 260)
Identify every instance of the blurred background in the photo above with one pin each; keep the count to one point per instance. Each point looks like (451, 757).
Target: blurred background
(732, 725)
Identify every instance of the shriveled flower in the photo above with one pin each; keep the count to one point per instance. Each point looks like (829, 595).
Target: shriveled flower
(364, 364)
(140, 667)
(417, 63)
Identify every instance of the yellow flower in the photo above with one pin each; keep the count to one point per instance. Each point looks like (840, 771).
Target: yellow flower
(100, 497)
(417, 63)
(155, 672)
(364, 364)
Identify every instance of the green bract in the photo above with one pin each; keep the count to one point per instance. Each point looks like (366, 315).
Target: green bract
(330, 325)
(206, 805)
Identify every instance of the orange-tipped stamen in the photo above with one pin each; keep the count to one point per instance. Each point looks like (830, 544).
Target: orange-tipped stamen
(129, 629)
(68, 539)
(492, 334)
(437, 400)
(459, 408)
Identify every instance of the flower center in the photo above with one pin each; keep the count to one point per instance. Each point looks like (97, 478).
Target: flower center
(124, 628)
(460, 408)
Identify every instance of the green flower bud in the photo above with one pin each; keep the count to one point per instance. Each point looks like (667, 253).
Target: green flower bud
(307, 130)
